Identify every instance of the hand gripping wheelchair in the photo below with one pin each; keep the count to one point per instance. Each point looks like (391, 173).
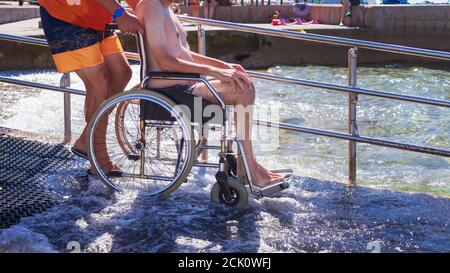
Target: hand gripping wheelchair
(149, 135)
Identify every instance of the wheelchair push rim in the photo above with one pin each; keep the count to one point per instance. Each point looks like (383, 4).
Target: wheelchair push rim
(145, 167)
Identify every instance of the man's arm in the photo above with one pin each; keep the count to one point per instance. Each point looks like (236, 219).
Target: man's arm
(198, 58)
(128, 23)
(110, 5)
(201, 59)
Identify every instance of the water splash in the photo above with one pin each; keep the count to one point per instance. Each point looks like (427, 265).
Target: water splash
(312, 216)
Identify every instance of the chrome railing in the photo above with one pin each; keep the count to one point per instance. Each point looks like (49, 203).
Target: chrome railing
(352, 90)
(318, 38)
(353, 134)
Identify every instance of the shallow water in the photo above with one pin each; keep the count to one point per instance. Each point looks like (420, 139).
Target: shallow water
(314, 215)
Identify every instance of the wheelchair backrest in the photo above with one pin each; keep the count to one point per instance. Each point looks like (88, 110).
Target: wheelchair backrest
(140, 41)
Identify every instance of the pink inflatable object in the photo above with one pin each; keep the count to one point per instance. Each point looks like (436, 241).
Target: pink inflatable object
(295, 21)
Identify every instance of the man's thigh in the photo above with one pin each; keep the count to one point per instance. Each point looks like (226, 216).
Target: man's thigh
(117, 64)
(96, 78)
(223, 89)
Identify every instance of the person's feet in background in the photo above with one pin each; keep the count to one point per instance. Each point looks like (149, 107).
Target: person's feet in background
(346, 11)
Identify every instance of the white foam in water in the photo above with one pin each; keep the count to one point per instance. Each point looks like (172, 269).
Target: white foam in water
(43, 112)
(20, 239)
(102, 244)
(312, 216)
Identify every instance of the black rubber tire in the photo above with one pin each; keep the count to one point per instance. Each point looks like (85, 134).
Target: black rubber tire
(238, 189)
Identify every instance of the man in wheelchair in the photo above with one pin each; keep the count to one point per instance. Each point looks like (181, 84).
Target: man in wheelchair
(168, 50)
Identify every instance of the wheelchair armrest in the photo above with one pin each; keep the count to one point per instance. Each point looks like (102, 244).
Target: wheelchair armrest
(185, 76)
(172, 75)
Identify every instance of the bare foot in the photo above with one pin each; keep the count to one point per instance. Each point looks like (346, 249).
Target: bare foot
(80, 146)
(108, 168)
(261, 176)
(103, 158)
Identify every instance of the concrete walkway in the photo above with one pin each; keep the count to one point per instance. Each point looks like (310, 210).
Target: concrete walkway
(28, 27)
(12, 12)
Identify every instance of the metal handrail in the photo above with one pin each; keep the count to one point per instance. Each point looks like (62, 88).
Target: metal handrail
(324, 39)
(349, 89)
(270, 124)
(43, 86)
(42, 42)
(352, 90)
(341, 88)
(356, 138)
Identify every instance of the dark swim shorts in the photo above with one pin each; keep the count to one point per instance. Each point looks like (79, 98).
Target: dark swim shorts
(188, 88)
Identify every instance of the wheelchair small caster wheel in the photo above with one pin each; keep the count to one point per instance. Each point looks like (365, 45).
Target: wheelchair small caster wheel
(238, 192)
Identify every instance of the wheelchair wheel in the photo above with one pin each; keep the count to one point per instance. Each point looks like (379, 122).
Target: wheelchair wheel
(152, 156)
(238, 192)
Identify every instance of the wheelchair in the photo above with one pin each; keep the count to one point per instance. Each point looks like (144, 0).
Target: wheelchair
(155, 140)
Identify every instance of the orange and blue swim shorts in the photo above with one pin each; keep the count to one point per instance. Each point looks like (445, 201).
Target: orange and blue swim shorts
(75, 47)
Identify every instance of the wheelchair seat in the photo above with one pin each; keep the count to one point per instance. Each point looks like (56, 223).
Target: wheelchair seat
(153, 111)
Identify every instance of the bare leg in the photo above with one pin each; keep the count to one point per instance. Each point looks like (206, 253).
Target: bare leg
(96, 81)
(101, 82)
(195, 8)
(119, 71)
(346, 5)
(206, 10)
(212, 7)
(244, 119)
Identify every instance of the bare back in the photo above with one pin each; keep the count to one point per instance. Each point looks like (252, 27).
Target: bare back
(163, 29)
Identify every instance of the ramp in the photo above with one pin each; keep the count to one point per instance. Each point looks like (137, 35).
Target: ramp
(24, 164)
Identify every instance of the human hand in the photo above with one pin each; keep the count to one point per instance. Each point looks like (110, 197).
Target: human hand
(239, 81)
(233, 66)
(128, 23)
(238, 67)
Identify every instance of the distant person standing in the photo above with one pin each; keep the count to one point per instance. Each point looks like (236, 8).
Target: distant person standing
(208, 8)
(346, 10)
(195, 6)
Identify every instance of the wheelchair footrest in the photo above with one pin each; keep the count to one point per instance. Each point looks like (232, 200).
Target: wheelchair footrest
(287, 171)
(268, 191)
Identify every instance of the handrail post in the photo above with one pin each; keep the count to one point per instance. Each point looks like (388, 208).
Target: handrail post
(65, 82)
(201, 36)
(352, 123)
